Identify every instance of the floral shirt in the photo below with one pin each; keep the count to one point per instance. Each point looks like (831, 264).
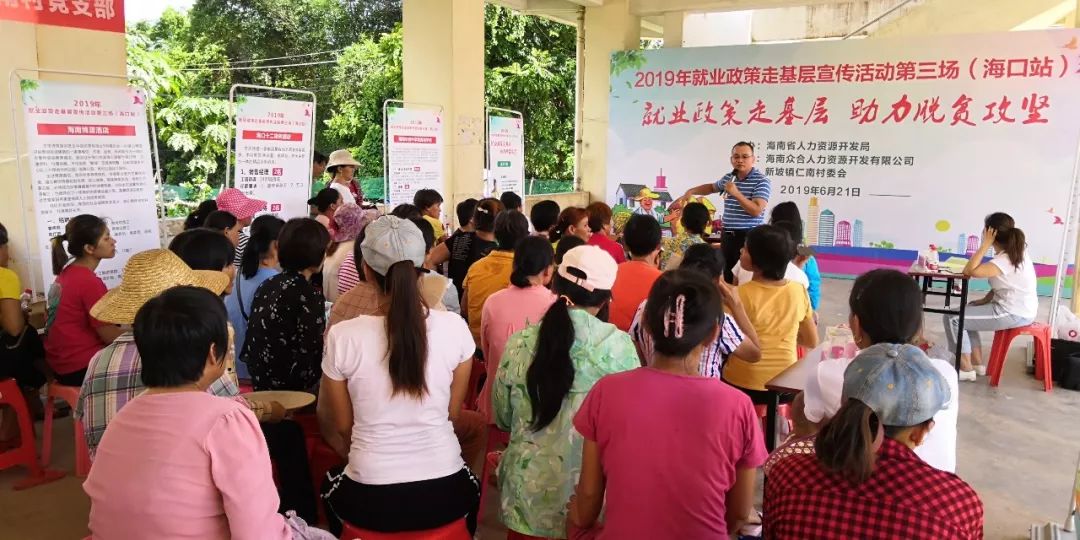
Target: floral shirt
(677, 245)
(284, 344)
(538, 470)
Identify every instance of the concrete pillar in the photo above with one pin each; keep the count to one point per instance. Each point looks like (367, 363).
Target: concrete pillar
(673, 29)
(443, 64)
(607, 29)
(36, 46)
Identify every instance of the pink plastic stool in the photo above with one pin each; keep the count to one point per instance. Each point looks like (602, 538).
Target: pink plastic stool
(26, 453)
(70, 394)
(451, 531)
(1003, 338)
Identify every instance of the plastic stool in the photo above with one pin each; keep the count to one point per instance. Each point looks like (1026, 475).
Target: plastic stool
(783, 410)
(1003, 338)
(451, 531)
(496, 439)
(26, 453)
(70, 394)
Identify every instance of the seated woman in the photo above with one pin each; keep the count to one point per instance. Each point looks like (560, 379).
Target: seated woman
(573, 221)
(349, 222)
(72, 336)
(217, 481)
(284, 343)
(865, 480)
(197, 217)
(21, 351)
(886, 307)
(695, 217)
(463, 248)
(1013, 300)
(545, 373)
(492, 273)
(392, 385)
(737, 335)
(326, 203)
(227, 224)
(668, 409)
(258, 264)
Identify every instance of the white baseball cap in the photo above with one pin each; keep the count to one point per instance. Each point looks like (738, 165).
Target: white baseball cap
(593, 268)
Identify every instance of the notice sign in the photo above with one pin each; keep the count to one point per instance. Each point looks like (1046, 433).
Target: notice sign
(273, 153)
(887, 145)
(89, 150)
(506, 154)
(414, 148)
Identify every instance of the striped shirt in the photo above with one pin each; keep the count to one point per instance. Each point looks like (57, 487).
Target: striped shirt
(712, 357)
(754, 186)
(240, 245)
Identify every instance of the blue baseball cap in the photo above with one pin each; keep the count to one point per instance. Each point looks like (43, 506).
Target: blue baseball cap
(897, 382)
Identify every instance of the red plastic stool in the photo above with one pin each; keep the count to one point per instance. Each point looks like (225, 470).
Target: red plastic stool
(514, 535)
(70, 394)
(1003, 338)
(26, 453)
(497, 439)
(451, 531)
(783, 411)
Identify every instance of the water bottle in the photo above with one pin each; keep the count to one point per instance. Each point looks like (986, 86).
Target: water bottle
(25, 299)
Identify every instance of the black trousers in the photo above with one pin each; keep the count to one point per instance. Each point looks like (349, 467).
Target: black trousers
(409, 506)
(761, 397)
(74, 378)
(731, 245)
(288, 450)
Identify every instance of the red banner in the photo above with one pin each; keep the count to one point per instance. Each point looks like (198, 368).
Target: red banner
(86, 129)
(414, 139)
(272, 135)
(103, 15)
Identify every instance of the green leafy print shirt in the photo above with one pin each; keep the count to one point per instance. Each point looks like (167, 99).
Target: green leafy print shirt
(539, 470)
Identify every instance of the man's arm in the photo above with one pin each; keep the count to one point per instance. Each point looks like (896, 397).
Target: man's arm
(755, 207)
(696, 191)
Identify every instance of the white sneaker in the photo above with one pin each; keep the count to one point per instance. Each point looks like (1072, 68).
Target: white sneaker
(980, 369)
(967, 376)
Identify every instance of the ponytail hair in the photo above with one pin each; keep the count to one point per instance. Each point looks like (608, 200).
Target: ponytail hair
(567, 218)
(81, 231)
(845, 445)
(264, 232)
(682, 311)
(1011, 239)
(484, 216)
(532, 256)
(198, 216)
(406, 329)
(551, 374)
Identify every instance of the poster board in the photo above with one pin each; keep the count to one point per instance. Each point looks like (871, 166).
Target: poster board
(887, 145)
(274, 144)
(506, 153)
(414, 152)
(89, 153)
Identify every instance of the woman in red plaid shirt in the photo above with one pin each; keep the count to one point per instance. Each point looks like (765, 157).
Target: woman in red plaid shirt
(865, 480)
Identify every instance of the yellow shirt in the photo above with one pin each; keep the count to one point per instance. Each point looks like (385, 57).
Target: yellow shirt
(9, 284)
(436, 226)
(486, 277)
(776, 311)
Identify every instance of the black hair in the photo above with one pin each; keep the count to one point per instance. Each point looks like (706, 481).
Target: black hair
(486, 212)
(551, 374)
(203, 249)
(319, 157)
(698, 300)
(220, 220)
(795, 233)
(302, 244)
(426, 198)
(406, 329)
(198, 216)
(705, 259)
(1009, 237)
(744, 143)
(544, 215)
(510, 200)
(174, 333)
(642, 235)
(786, 211)
(888, 304)
(81, 231)
(510, 227)
(324, 199)
(566, 244)
(3, 235)
(695, 216)
(465, 210)
(406, 211)
(264, 232)
(770, 250)
(427, 231)
(532, 256)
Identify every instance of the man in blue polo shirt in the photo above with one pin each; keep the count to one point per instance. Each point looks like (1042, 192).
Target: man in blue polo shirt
(746, 193)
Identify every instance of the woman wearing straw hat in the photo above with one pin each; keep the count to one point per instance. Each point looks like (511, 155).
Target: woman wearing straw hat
(342, 167)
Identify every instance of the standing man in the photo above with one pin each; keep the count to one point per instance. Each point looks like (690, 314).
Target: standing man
(318, 166)
(746, 193)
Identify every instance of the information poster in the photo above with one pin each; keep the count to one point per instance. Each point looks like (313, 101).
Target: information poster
(414, 148)
(887, 145)
(89, 153)
(506, 154)
(273, 153)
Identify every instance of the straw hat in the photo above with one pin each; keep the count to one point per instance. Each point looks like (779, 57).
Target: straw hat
(341, 157)
(146, 275)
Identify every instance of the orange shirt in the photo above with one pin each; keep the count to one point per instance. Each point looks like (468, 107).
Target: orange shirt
(486, 277)
(633, 282)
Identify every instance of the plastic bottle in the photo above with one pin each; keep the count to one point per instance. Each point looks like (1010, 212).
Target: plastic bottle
(25, 299)
(933, 260)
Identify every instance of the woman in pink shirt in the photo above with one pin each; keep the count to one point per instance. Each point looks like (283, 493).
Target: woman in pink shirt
(177, 462)
(712, 427)
(521, 304)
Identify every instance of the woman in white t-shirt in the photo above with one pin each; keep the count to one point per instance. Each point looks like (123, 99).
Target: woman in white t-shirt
(388, 398)
(1013, 300)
